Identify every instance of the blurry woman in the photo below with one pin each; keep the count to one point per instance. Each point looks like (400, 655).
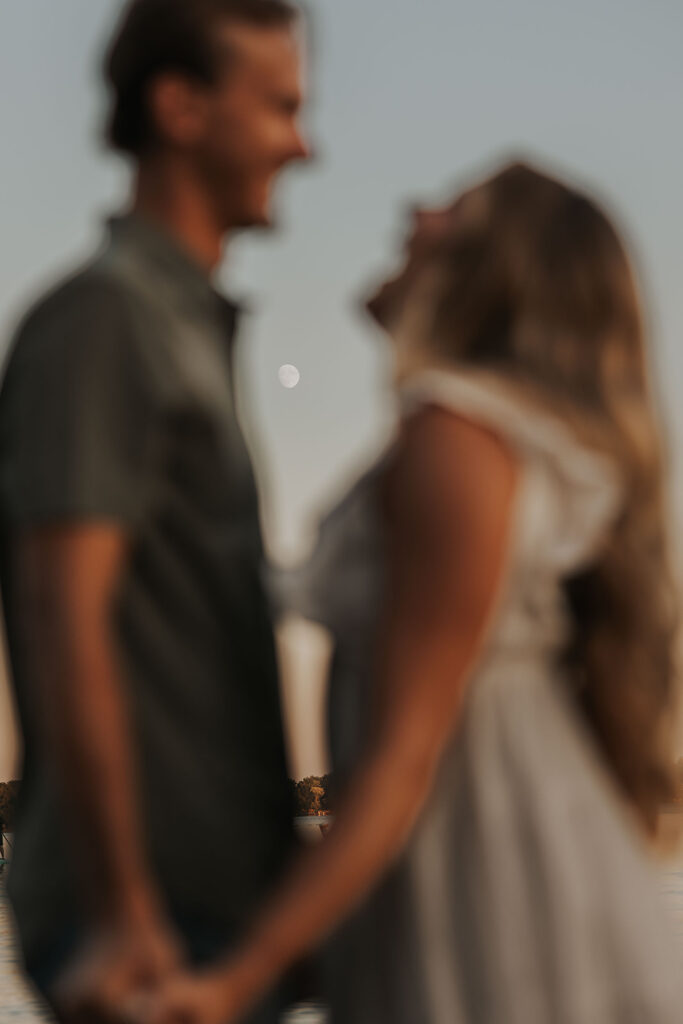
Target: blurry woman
(499, 592)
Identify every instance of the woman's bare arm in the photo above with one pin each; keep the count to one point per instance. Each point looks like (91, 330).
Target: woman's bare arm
(447, 501)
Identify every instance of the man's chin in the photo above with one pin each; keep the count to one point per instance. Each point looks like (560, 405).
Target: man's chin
(258, 211)
(261, 220)
(251, 222)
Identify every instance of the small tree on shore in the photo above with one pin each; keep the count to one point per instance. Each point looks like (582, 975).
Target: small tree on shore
(312, 795)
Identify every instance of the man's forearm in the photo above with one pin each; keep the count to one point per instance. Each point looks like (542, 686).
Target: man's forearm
(79, 697)
(89, 735)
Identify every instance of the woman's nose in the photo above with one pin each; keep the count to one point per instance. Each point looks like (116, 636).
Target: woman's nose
(427, 221)
(417, 215)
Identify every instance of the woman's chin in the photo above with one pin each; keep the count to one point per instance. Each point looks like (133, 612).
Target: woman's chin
(372, 305)
(380, 305)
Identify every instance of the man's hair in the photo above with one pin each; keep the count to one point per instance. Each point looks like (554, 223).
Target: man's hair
(159, 36)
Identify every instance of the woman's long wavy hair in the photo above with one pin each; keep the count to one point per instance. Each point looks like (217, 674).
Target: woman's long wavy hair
(535, 284)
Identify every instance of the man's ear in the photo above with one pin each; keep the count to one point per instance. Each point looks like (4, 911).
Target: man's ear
(178, 109)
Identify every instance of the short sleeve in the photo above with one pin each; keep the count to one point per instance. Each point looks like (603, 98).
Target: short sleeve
(79, 411)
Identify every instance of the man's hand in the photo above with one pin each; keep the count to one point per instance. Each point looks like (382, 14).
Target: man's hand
(69, 578)
(204, 998)
(119, 966)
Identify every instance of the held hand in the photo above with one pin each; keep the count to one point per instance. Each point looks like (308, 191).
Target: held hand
(194, 999)
(121, 962)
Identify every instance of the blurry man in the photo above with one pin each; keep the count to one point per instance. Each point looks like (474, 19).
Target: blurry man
(139, 632)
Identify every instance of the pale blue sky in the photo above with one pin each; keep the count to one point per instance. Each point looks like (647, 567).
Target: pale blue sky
(409, 96)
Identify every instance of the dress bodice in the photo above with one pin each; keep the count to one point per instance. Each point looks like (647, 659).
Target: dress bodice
(567, 499)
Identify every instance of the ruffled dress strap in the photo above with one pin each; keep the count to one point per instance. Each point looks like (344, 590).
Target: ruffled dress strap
(582, 490)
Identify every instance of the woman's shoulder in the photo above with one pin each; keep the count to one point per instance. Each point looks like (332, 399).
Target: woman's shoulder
(444, 464)
(577, 490)
(523, 421)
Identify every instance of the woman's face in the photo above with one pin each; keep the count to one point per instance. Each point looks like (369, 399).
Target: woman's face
(428, 227)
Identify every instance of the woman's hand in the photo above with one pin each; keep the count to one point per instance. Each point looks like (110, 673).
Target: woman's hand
(193, 999)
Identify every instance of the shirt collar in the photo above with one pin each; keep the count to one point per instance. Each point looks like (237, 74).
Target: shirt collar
(176, 263)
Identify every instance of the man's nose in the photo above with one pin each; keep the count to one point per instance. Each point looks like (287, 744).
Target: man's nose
(302, 148)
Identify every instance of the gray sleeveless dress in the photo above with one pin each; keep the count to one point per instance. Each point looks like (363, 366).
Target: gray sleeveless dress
(525, 894)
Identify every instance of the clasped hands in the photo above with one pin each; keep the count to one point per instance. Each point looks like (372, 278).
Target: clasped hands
(136, 974)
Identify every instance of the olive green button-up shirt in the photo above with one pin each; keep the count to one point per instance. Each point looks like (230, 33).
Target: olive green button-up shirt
(117, 406)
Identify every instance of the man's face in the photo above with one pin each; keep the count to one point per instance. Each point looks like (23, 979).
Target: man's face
(251, 130)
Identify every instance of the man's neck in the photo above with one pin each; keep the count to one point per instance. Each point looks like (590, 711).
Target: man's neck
(170, 197)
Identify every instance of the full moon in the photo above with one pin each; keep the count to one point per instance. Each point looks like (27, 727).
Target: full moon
(289, 376)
